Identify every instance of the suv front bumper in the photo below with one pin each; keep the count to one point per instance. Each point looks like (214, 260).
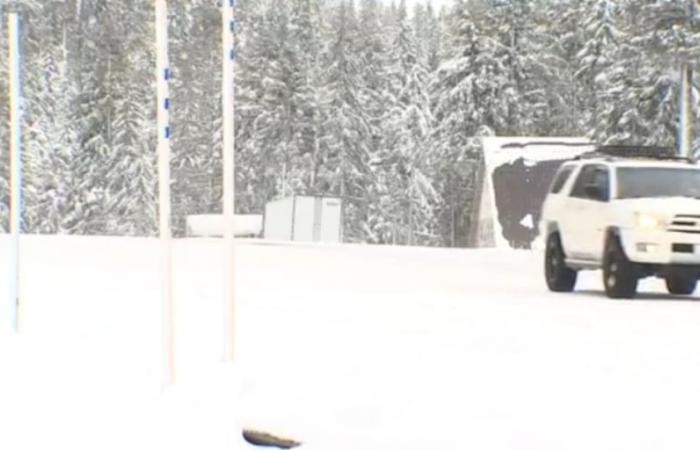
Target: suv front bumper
(661, 247)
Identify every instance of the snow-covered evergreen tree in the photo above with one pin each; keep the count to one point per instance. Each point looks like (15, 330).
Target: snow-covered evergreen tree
(565, 93)
(600, 49)
(375, 96)
(51, 135)
(278, 123)
(4, 138)
(433, 34)
(131, 172)
(640, 91)
(255, 172)
(408, 145)
(347, 145)
(360, 99)
(195, 55)
(307, 100)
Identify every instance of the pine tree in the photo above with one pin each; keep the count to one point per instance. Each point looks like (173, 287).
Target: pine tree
(86, 206)
(306, 77)
(346, 150)
(50, 95)
(131, 201)
(641, 89)
(408, 145)
(471, 96)
(277, 124)
(255, 172)
(4, 138)
(598, 54)
(374, 97)
(567, 97)
(195, 58)
(433, 36)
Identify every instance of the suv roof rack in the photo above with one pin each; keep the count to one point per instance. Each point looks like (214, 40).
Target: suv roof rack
(634, 151)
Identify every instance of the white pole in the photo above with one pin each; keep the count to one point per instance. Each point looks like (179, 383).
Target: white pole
(163, 77)
(227, 91)
(686, 103)
(686, 146)
(16, 162)
(682, 148)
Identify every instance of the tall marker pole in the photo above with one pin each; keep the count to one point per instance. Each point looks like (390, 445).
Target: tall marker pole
(686, 107)
(227, 90)
(13, 27)
(163, 78)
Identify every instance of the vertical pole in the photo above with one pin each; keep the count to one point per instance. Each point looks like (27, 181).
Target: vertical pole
(227, 93)
(686, 146)
(163, 77)
(689, 101)
(15, 162)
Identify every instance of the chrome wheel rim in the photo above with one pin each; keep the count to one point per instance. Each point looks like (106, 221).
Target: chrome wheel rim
(611, 277)
(553, 260)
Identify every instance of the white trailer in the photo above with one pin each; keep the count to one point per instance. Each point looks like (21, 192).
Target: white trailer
(304, 219)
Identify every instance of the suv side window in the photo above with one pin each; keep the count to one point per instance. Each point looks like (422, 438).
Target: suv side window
(602, 180)
(561, 179)
(596, 176)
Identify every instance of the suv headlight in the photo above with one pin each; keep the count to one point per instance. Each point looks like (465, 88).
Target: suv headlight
(649, 221)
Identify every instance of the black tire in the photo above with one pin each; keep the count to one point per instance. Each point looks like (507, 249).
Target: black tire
(560, 278)
(679, 285)
(620, 276)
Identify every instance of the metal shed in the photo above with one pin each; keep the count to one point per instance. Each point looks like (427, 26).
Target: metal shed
(304, 219)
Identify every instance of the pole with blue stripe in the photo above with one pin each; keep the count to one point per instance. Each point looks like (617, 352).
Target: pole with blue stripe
(164, 134)
(15, 62)
(228, 154)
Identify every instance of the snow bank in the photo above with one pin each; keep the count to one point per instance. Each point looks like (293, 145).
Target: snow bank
(212, 225)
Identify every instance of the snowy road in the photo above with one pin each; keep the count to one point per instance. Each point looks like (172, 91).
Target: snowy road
(379, 348)
(344, 347)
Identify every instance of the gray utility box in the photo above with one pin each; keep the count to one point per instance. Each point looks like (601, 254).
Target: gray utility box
(304, 219)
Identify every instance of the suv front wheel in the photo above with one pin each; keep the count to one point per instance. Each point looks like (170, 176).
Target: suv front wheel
(560, 278)
(619, 274)
(680, 285)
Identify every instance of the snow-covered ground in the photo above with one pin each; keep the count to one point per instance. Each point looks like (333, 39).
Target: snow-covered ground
(85, 372)
(343, 347)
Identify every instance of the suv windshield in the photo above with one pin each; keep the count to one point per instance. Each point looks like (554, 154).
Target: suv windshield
(641, 182)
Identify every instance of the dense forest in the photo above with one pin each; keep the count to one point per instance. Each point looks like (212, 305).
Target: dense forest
(362, 99)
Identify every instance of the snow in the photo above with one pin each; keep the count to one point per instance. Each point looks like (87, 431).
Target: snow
(212, 225)
(528, 221)
(343, 347)
(415, 348)
(85, 371)
(534, 149)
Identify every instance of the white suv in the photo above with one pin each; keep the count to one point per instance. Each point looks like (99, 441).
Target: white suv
(631, 217)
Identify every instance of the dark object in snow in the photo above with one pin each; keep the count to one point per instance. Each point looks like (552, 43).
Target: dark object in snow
(520, 188)
(267, 440)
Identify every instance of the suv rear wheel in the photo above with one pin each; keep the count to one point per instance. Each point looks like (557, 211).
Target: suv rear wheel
(680, 285)
(619, 274)
(560, 278)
